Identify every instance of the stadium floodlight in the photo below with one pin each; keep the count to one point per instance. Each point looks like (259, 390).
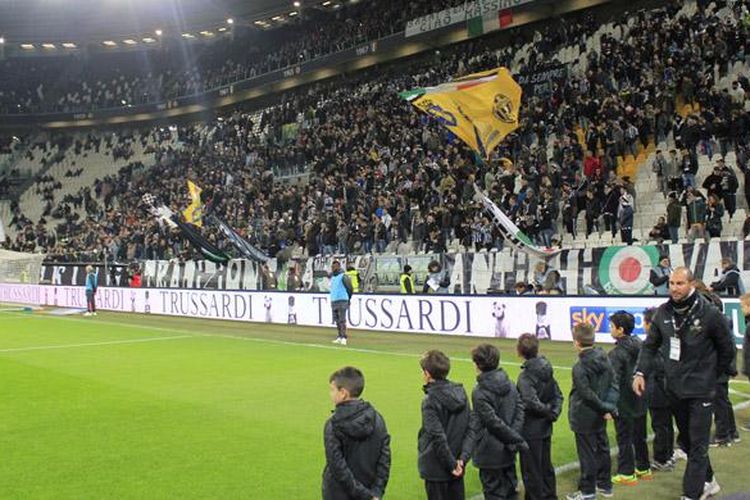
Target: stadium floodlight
(27, 46)
(297, 3)
(293, 13)
(188, 35)
(207, 33)
(158, 32)
(222, 29)
(277, 18)
(259, 23)
(2, 40)
(109, 43)
(230, 21)
(49, 46)
(69, 45)
(129, 41)
(148, 39)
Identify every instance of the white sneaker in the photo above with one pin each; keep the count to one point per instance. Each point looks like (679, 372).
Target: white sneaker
(679, 454)
(343, 342)
(337, 341)
(93, 314)
(87, 313)
(711, 489)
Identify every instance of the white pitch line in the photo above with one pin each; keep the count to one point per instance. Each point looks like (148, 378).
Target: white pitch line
(271, 341)
(92, 344)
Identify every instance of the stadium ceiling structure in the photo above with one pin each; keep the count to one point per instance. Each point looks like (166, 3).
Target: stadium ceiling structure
(86, 20)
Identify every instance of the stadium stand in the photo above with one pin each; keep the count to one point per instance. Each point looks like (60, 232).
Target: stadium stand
(378, 177)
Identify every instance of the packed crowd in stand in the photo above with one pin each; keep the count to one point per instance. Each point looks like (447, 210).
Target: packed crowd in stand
(381, 175)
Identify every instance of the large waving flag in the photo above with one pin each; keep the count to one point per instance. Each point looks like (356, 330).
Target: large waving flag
(481, 109)
(194, 212)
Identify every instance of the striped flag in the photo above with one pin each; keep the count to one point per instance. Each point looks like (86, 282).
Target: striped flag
(510, 231)
(489, 22)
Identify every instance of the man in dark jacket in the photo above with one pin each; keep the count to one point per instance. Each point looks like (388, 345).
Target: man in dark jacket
(542, 401)
(658, 406)
(446, 438)
(498, 421)
(674, 217)
(692, 336)
(730, 282)
(630, 424)
(593, 401)
(357, 444)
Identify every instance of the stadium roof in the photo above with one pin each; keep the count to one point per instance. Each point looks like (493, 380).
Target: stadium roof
(56, 20)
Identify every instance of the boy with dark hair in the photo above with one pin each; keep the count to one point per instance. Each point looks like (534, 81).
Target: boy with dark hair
(498, 422)
(593, 401)
(658, 407)
(357, 444)
(446, 437)
(542, 401)
(630, 423)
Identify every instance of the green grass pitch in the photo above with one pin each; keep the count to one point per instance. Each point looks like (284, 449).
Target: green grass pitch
(126, 406)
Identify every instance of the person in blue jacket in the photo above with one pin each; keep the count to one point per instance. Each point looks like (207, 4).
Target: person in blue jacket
(341, 294)
(92, 283)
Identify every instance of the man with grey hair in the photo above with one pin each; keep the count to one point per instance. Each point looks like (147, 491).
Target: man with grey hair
(694, 338)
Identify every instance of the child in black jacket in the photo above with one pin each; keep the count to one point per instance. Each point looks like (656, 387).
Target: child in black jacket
(630, 424)
(593, 401)
(542, 402)
(446, 437)
(357, 444)
(498, 422)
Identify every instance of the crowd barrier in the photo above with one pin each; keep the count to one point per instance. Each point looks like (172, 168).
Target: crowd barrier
(549, 317)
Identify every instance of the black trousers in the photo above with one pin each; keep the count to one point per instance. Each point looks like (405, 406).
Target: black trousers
(726, 427)
(499, 484)
(339, 309)
(90, 301)
(537, 471)
(661, 424)
(693, 417)
(632, 446)
(596, 464)
(445, 490)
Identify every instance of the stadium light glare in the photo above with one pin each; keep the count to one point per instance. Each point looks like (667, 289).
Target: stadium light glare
(2, 40)
(148, 39)
(326, 3)
(158, 32)
(129, 41)
(277, 18)
(230, 21)
(69, 45)
(188, 35)
(27, 46)
(109, 43)
(296, 4)
(222, 29)
(49, 46)
(207, 33)
(293, 13)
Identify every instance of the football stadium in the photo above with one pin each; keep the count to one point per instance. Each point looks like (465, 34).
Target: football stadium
(365, 249)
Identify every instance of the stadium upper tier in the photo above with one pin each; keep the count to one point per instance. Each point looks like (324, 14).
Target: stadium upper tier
(183, 61)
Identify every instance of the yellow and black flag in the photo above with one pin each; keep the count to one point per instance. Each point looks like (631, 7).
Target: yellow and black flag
(481, 109)
(194, 212)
